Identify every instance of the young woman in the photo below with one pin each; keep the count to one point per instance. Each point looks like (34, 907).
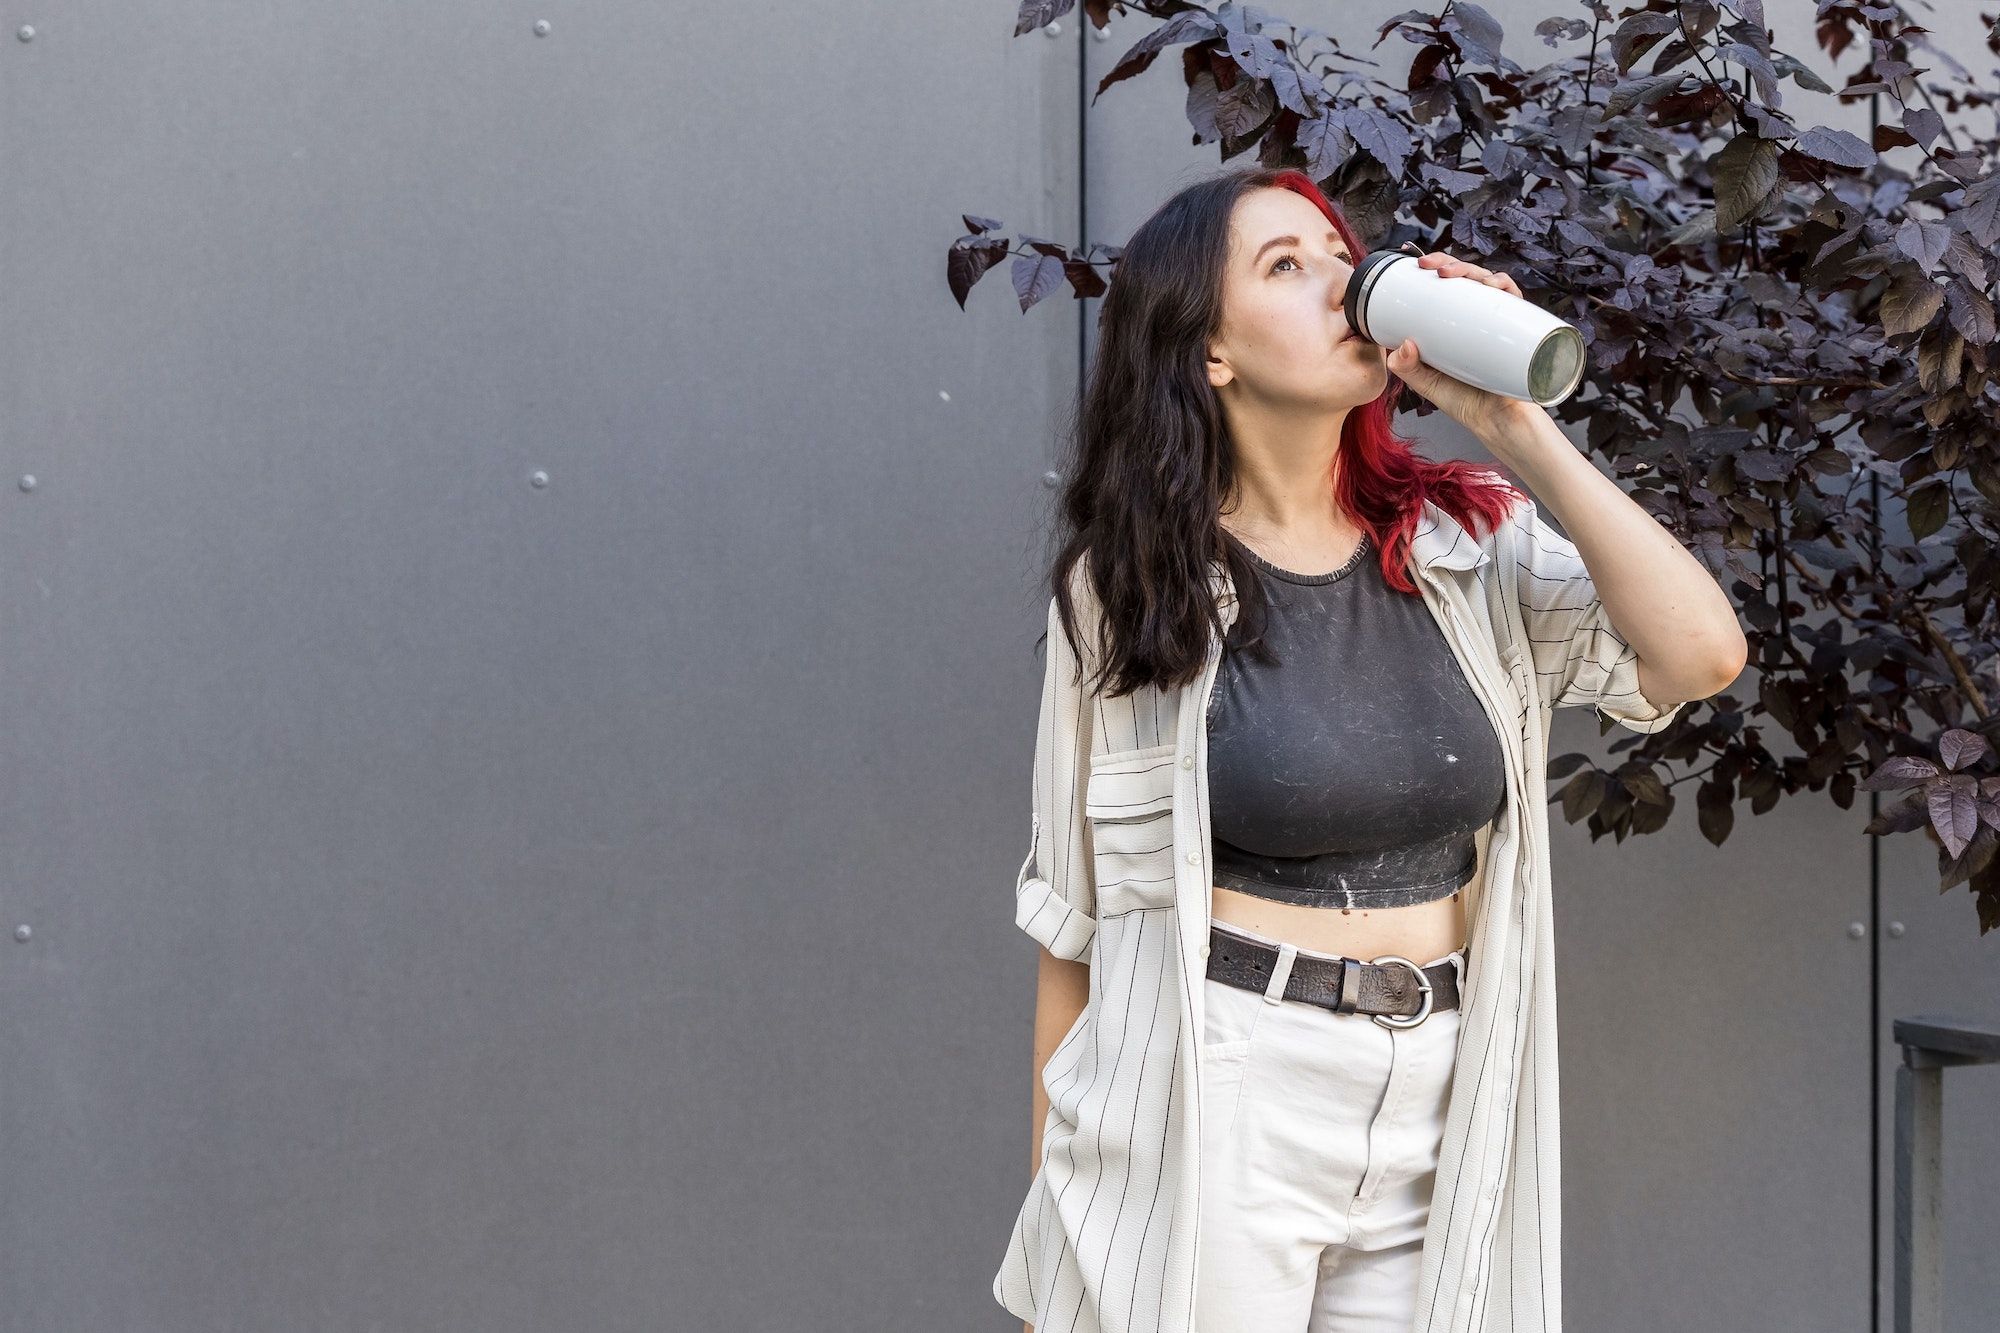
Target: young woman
(1295, 1029)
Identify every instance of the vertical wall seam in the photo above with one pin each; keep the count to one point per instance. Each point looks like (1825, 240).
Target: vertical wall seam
(1874, 938)
(1083, 181)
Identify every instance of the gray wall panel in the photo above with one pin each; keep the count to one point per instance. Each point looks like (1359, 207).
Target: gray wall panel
(433, 918)
(1715, 1071)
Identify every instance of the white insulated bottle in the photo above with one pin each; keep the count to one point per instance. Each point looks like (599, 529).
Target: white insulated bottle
(1488, 338)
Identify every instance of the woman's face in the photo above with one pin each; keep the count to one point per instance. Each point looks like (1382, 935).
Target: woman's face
(1284, 339)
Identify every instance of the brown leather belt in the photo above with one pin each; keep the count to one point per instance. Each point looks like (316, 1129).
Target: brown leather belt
(1387, 988)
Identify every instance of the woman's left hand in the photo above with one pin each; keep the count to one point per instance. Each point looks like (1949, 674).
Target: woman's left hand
(1478, 410)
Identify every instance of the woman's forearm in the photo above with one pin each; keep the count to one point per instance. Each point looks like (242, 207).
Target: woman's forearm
(1662, 600)
(1062, 988)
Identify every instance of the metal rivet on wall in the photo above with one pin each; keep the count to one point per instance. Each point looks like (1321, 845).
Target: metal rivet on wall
(1896, 930)
(1052, 479)
(541, 27)
(1102, 34)
(538, 478)
(1855, 930)
(28, 482)
(26, 33)
(22, 933)
(1053, 30)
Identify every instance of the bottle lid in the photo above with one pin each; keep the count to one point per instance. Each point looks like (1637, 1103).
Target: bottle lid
(1355, 303)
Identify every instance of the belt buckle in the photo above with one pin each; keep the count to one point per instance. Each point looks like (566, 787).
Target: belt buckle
(1423, 986)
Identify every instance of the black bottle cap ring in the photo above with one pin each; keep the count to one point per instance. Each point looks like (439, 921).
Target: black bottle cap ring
(1355, 302)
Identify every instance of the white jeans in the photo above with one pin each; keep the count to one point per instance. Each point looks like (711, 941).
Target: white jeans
(1320, 1136)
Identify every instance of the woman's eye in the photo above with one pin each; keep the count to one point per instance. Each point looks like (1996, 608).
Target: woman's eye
(1293, 259)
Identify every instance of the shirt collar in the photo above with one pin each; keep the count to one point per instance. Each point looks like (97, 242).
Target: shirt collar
(1442, 540)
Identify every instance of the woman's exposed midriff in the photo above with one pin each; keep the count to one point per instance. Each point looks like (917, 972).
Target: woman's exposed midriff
(1421, 932)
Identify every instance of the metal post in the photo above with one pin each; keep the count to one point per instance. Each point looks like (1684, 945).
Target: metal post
(1930, 1043)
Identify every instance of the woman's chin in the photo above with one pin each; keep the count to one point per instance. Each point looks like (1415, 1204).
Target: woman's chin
(1354, 391)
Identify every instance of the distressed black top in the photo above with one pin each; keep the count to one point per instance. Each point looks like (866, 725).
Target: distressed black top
(1355, 773)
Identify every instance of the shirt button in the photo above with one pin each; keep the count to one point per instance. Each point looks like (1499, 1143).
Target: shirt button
(1187, 761)
(1194, 858)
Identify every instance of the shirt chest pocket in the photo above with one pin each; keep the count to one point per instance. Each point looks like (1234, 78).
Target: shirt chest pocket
(1130, 805)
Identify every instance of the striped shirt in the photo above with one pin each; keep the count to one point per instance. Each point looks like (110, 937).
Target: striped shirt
(1117, 874)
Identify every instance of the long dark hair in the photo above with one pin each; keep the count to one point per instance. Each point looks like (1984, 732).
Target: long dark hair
(1150, 460)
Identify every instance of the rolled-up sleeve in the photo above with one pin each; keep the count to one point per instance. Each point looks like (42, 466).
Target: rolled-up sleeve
(1055, 897)
(1580, 658)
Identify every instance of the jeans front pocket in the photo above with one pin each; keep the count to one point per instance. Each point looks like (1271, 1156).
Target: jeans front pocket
(1229, 1034)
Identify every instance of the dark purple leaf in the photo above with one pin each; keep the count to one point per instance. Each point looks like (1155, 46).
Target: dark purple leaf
(1905, 770)
(1954, 814)
(1746, 173)
(1452, 182)
(1763, 465)
(1902, 817)
(1923, 124)
(1923, 241)
(1971, 311)
(1478, 33)
(1965, 261)
(1960, 748)
(1035, 276)
(1760, 69)
(1981, 211)
(1626, 38)
(1039, 14)
(1324, 139)
(1555, 30)
(1926, 508)
(1909, 301)
(1640, 92)
(967, 261)
(1697, 230)
(1204, 107)
(1243, 107)
(1976, 856)
(1188, 26)
(1384, 139)
(1939, 359)
(1799, 74)
(1835, 146)
(1084, 279)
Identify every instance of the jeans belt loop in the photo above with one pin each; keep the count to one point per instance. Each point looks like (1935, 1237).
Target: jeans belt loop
(1281, 972)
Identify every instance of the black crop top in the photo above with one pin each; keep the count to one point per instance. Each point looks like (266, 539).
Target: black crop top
(1355, 773)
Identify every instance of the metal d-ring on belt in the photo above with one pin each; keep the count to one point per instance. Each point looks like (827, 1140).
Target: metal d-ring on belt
(1391, 989)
